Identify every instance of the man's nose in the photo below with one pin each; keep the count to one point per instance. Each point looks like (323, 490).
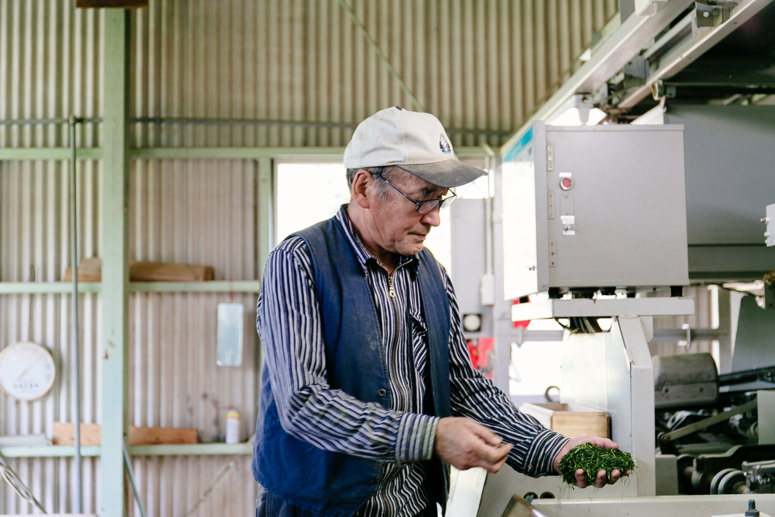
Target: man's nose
(433, 217)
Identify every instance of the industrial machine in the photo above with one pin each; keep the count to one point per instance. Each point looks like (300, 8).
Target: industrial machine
(609, 222)
(596, 220)
(595, 217)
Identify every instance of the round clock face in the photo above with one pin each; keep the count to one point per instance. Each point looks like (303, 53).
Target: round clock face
(27, 370)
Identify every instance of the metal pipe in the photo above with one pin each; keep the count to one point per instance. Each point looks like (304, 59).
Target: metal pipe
(76, 352)
(47, 121)
(488, 242)
(303, 123)
(235, 122)
(131, 475)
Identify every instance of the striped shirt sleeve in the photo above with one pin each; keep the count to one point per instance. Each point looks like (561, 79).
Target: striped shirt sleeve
(476, 397)
(288, 322)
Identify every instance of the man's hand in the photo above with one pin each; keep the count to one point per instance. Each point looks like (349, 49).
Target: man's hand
(601, 479)
(465, 444)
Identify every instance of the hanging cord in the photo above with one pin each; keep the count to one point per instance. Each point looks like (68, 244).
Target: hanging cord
(131, 475)
(20, 488)
(580, 325)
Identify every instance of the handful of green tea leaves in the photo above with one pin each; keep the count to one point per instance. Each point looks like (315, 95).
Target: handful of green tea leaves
(591, 459)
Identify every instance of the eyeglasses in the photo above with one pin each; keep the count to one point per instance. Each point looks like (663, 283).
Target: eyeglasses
(427, 206)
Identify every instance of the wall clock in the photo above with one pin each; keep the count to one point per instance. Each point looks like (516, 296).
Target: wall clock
(27, 370)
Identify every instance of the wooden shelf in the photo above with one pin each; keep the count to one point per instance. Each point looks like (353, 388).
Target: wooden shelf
(215, 286)
(194, 449)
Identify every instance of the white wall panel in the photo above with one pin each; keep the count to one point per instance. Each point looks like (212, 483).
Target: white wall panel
(174, 380)
(233, 491)
(35, 218)
(196, 212)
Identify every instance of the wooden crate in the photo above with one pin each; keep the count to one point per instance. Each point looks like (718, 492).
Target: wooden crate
(572, 421)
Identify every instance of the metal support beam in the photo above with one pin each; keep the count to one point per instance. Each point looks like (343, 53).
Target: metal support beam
(114, 354)
(265, 220)
(702, 40)
(264, 197)
(607, 59)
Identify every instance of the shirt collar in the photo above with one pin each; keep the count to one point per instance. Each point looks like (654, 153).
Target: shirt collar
(363, 255)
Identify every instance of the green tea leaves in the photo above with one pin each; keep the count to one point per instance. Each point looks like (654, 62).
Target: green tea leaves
(591, 459)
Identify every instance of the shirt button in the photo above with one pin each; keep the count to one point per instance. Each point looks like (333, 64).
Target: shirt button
(382, 392)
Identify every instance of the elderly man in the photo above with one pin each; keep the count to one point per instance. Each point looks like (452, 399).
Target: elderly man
(368, 394)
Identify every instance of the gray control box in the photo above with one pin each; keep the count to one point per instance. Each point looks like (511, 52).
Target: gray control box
(592, 207)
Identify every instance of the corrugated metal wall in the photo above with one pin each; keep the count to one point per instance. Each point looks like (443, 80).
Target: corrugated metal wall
(478, 65)
(45, 319)
(199, 212)
(296, 73)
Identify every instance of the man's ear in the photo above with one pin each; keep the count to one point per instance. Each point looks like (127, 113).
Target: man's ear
(362, 188)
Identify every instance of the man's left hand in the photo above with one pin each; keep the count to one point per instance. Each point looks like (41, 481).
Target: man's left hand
(602, 478)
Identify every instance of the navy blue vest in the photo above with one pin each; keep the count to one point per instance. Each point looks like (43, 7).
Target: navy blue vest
(332, 483)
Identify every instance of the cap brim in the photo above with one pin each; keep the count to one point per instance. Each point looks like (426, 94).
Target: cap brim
(447, 173)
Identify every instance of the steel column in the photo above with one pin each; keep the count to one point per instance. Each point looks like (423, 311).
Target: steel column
(115, 271)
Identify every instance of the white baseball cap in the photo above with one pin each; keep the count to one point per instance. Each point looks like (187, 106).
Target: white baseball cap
(414, 141)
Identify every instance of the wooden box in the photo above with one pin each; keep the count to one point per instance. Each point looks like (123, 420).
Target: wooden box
(570, 420)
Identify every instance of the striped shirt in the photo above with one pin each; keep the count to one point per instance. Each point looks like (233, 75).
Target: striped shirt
(288, 321)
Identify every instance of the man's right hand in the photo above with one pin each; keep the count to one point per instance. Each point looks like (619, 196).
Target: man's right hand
(465, 444)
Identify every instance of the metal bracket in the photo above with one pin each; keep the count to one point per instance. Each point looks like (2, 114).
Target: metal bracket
(707, 422)
(760, 475)
(711, 14)
(660, 91)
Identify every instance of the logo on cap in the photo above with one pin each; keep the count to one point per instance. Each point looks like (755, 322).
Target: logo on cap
(444, 144)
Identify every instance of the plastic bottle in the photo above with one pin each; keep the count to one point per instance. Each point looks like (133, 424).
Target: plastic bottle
(232, 426)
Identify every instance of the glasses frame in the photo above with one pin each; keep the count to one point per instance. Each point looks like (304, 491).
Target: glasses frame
(432, 203)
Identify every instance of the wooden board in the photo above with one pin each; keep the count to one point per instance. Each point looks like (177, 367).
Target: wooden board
(64, 434)
(571, 421)
(168, 272)
(90, 270)
(83, 4)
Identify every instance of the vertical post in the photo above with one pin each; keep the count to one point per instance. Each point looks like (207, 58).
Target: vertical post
(501, 315)
(114, 353)
(726, 339)
(641, 399)
(264, 196)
